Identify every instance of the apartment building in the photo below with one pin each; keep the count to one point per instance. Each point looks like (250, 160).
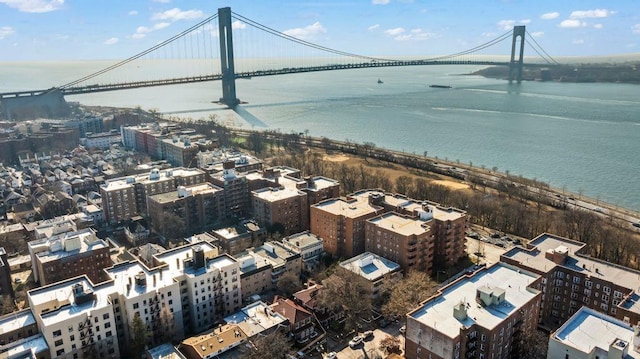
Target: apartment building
(236, 239)
(262, 267)
(214, 343)
(154, 182)
(405, 240)
(340, 223)
(309, 246)
(212, 161)
(448, 224)
(591, 334)
(17, 326)
(118, 200)
(67, 255)
(378, 271)
(571, 279)
(236, 190)
(286, 208)
(476, 316)
(198, 208)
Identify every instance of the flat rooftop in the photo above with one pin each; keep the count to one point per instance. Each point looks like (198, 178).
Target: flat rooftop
(165, 351)
(535, 258)
(302, 240)
(437, 312)
(348, 208)
(16, 320)
(274, 194)
(588, 330)
(202, 188)
(370, 266)
(410, 205)
(401, 224)
(220, 339)
(59, 246)
(256, 318)
(25, 348)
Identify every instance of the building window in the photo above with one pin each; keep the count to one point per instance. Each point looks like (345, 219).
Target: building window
(58, 342)
(57, 333)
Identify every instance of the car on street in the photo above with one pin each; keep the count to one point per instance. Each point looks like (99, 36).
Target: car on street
(368, 334)
(330, 355)
(357, 340)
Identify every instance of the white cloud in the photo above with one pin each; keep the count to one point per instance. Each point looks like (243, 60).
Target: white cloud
(537, 33)
(162, 1)
(161, 25)
(525, 21)
(373, 27)
(176, 14)
(489, 34)
(380, 2)
(572, 23)
(6, 31)
(636, 29)
(598, 26)
(306, 32)
(596, 13)
(37, 6)
(238, 25)
(143, 30)
(395, 32)
(550, 15)
(132, 13)
(111, 41)
(506, 24)
(578, 42)
(138, 35)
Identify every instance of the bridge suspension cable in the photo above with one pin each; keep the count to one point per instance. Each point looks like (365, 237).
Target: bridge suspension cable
(303, 42)
(143, 53)
(548, 57)
(483, 46)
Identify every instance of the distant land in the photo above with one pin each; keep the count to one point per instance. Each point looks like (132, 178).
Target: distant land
(615, 73)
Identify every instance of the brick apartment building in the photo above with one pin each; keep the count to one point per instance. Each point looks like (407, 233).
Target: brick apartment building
(285, 207)
(199, 208)
(340, 223)
(571, 280)
(405, 240)
(479, 315)
(69, 255)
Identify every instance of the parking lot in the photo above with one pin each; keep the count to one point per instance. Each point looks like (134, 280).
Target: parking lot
(368, 349)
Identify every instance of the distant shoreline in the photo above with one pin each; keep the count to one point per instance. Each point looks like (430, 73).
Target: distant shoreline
(628, 73)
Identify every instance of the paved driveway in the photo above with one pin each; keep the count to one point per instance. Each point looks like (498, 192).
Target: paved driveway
(369, 348)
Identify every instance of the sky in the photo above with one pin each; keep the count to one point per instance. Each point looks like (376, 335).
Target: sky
(54, 30)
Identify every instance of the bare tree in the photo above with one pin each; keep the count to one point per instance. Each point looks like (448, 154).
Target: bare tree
(272, 346)
(348, 292)
(407, 293)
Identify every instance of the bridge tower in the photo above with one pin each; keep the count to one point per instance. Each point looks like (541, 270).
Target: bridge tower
(515, 66)
(226, 58)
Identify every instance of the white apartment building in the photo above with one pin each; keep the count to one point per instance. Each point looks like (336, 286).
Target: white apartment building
(190, 289)
(309, 246)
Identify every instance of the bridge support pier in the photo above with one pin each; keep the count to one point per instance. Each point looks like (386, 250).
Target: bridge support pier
(515, 65)
(226, 58)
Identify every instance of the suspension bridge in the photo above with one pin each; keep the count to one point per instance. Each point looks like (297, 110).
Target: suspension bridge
(208, 51)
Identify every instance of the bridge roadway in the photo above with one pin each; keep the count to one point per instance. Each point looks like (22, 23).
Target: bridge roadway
(77, 90)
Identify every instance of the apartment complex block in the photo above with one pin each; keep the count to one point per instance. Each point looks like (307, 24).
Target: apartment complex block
(237, 238)
(309, 246)
(67, 255)
(476, 316)
(448, 224)
(340, 222)
(285, 207)
(198, 207)
(405, 240)
(236, 190)
(191, 289)
(571, 279)
(591, 334)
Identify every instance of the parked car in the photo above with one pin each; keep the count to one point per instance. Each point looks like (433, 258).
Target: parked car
(403, 329)
(330, 355)
(357, 340)
(383, 323)
(368, 334)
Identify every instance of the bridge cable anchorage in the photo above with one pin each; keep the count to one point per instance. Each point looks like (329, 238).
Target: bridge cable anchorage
(306, 43)
(548, 58)
(139, 55)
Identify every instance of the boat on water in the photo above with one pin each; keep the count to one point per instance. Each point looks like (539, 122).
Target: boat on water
(380, 81)
(440, 86)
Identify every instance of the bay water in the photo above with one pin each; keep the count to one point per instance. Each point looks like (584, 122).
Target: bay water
(583, 137)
